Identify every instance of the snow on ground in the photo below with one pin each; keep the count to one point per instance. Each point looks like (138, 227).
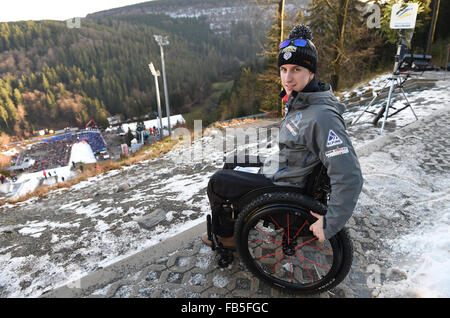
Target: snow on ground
(374, 84)
(423, 102)
(424, 253)
(28, 182)
(428, 261)
(47, 242)
(416, 206)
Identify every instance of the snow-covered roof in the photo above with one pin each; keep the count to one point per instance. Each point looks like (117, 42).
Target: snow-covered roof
(175, 119)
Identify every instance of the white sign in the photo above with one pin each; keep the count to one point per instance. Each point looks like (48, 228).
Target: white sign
(403, 16)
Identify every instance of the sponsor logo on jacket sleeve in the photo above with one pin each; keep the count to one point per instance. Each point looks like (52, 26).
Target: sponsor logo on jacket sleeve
(336, 152)
(291, 129)
(333, 139)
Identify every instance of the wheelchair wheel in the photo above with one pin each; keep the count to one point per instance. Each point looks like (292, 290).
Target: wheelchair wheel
(274, 242)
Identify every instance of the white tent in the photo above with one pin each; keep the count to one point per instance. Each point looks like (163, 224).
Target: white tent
(82, 152)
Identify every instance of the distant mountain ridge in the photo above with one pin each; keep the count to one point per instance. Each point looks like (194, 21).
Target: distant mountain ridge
(220, 14)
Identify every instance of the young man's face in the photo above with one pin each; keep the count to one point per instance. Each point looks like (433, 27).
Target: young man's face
(295, 77)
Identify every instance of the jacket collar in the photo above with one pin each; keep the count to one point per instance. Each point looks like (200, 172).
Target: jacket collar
(313, 86)
(324, 95)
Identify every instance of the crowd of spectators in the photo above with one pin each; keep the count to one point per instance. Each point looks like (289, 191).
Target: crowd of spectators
(94, 138)
(55, 152)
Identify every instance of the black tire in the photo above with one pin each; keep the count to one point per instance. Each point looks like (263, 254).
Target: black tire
(265, 239)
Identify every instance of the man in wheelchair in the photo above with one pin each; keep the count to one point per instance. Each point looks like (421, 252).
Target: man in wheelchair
(312, 135)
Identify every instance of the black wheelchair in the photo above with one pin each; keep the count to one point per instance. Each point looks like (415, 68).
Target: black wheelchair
(273, 240)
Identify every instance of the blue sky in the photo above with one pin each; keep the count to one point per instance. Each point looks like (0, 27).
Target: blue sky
(17, 10)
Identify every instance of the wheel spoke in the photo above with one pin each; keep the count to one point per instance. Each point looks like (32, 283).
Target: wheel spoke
(315, 263)
(274, 240)
(268, 255)
(299, 256)
(288, 229)
(277, 263)
(261, 241)
(278, 226)
(301, 229)
(320, 248)
(300, 245)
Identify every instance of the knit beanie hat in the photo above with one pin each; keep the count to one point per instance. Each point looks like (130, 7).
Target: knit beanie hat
(305, 56)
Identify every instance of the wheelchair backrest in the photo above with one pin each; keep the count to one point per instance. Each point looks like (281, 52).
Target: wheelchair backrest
(318, 184)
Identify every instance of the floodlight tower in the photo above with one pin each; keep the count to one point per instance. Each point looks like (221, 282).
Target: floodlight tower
(162, 41)
(156, 73)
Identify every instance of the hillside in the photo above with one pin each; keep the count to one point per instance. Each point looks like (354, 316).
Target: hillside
(220, 14)
(55, 76)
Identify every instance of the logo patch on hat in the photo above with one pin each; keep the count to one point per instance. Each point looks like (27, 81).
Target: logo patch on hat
(333, 139)
(289, 49)
(287, 55)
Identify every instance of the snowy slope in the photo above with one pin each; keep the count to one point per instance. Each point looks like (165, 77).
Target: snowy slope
(50, 241)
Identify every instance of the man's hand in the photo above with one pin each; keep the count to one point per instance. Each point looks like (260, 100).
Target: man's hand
(317, 227)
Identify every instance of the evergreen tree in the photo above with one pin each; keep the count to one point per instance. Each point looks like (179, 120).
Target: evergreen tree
(270, 80)
(17, 97)
(344, 42)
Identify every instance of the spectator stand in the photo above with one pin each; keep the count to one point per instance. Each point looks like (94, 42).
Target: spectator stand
(53, 152)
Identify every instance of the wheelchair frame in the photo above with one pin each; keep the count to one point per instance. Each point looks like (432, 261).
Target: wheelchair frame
(315, 193)
(314, 196)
